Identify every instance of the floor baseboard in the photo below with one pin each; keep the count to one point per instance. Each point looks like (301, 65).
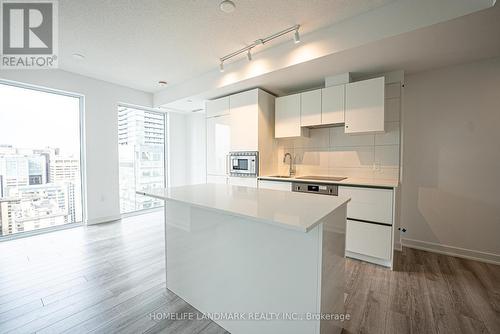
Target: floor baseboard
(453, 251)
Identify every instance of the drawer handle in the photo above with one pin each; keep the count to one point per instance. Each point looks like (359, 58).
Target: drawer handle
(368, 221)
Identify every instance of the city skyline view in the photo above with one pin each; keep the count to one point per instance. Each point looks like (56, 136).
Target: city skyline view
(40, 180)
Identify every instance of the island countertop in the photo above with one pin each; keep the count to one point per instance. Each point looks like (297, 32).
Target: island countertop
(291, 210)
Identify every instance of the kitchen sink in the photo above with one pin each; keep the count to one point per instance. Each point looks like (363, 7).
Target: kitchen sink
(281, 176)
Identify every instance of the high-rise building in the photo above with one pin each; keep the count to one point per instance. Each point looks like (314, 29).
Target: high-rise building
(140, 127)
(38, 188)
(66, 170)
(63, 168)
(7, 206)
(36, 206)
(14, 170)
(37, 169)
(141, 138)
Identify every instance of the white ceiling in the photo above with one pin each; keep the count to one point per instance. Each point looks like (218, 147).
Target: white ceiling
(469, 38)
(137, 43)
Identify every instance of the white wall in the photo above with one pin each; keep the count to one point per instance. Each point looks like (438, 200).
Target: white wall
(101, 131)
(451, 144)
(187, 147)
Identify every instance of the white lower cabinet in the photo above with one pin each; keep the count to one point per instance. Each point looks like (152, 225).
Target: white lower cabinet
(369, 235)
(275, 185)
(222, 179)
(371, 204)
(243, 181)
(369, 239)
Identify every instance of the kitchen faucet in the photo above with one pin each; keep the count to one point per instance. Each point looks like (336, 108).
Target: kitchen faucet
(291, 171)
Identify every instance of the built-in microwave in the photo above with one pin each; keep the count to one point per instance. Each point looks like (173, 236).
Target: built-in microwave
(244, 163)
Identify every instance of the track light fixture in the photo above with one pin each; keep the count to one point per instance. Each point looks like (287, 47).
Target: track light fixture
(261, 41)
(296, 37)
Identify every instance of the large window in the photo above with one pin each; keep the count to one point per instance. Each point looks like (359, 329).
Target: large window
(141, 140)
(40, 178)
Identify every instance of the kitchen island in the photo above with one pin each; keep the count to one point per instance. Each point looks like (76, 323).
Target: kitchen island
(257, 260)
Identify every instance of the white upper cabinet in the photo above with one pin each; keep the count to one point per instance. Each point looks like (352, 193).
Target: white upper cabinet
(218, 144)
(244, 121)
(332, 104)
(240, 122)
(310, 108)
(217, 107)
(364, 106)
(287, 117)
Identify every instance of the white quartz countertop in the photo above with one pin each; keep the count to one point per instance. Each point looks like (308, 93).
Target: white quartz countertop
(352, 181)
(291, 210)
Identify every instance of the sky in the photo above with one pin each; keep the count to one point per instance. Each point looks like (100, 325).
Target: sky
(34, 119)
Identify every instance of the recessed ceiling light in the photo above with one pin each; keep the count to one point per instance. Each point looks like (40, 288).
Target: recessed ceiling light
(227, 6)
(162, 83)
(78, 56)
(189, 100)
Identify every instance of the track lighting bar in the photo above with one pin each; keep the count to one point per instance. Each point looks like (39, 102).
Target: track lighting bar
(261, 41)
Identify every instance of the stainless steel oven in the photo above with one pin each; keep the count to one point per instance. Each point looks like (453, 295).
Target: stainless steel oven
(244, 163)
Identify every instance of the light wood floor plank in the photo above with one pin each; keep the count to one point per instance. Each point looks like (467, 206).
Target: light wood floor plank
(110, 278)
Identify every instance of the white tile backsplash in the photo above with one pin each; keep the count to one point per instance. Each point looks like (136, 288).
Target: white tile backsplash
(318, 138)
(392, 109)
(390, 136)
(387, 156)
(340, 139)
(355, 156)
(387, 173)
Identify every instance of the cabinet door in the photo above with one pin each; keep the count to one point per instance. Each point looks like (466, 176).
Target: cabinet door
(244, 110)
(369, 239)
(217, 107)
(310, 108)
(218, 144)
(243, 181)
(364, 106)
(287, 116)
(332, 104)
(221, 179)
(370, 204)
(275, 185)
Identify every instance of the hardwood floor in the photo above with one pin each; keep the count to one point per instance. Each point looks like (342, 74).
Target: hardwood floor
(110, 278)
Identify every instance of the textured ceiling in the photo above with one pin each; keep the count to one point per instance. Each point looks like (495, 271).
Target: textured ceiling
(137, 43)
(466, 39)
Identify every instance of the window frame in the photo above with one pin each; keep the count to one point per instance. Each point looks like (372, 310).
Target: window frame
(83, 164)
(166, 159)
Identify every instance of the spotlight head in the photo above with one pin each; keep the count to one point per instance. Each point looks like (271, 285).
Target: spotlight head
(296, 37)
(221, 67)
(249, 55)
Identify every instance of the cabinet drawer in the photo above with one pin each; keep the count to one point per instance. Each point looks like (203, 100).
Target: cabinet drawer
(371, 204)
(275, 185)
(369, 239)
